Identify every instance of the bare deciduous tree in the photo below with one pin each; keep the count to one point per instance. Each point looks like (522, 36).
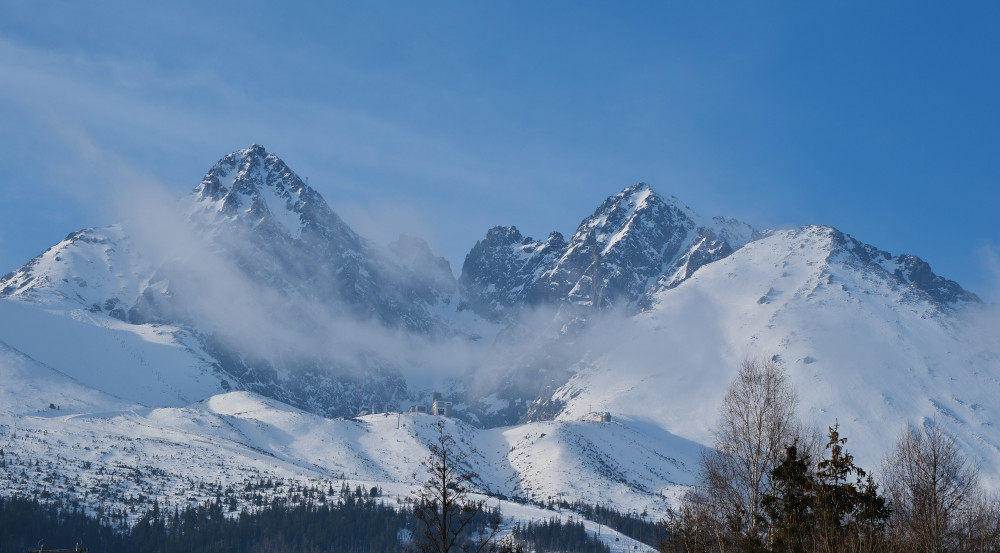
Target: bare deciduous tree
(757, 421)
(444, 507)
(937, 501)
(748, 501)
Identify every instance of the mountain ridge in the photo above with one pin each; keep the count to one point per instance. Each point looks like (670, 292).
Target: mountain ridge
(631, 239)
(267, 310)
(284, 247)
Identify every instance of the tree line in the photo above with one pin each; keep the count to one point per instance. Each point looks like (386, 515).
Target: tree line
(358, 521)
(771, 485)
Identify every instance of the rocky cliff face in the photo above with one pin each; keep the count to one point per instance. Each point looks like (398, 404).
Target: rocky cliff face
(635, 241)
(905, 270)
(282, 235)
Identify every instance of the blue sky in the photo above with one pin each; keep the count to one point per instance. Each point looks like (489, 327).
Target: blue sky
(442, 119)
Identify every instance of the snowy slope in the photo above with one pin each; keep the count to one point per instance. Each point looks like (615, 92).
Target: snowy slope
(153, 365)
(97, 269)
(230, 445)
(861, 348)
(31, 387)
(142, 441)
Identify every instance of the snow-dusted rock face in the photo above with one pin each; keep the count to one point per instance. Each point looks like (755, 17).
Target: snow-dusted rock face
(503, 272)
(905, 269)
(98, 269)
(257, 188)
(283, 235)
(634, 241)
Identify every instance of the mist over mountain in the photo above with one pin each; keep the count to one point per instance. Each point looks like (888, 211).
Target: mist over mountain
(285, 297)
(249, 314)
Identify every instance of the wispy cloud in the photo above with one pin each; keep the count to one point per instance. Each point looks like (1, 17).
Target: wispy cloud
(170, 121)
(990, 256)
(161, 108)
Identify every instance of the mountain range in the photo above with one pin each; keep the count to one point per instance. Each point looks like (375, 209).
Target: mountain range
(235, 336)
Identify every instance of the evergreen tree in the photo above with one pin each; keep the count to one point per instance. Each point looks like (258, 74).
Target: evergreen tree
(849, 508)
(791, 508)
(837, 507)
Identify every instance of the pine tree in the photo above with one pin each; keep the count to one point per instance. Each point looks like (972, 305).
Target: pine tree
(849, 507)
(791, 507)
(837, 507)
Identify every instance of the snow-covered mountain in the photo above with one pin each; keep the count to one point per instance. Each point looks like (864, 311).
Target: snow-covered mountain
(256, 276)
(284, 235)
(213, 345)
(256, 214)
(863, 344)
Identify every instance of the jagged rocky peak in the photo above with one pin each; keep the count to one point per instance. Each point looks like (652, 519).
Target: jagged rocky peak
(633, 240)
(503, 235)
(905, 269)
(636, 205)
(259, 189)
(635, 222)
(640, 213)
(510, 237)
(284, 235)
(500, 272)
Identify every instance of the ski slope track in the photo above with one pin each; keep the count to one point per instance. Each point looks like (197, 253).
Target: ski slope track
(237, 345)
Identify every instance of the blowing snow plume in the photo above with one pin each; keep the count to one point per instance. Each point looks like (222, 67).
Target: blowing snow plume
(290, 300)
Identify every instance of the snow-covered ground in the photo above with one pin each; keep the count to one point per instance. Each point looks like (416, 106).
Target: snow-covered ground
(61, 439)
